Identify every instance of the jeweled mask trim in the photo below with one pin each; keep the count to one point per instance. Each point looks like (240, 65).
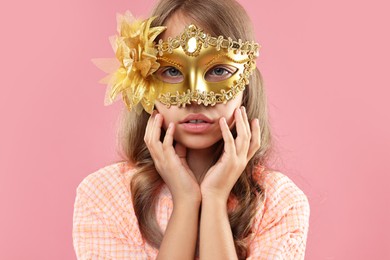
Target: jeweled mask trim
(192, 40)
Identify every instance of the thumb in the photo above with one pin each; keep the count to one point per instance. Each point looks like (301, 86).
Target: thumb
(181, 151)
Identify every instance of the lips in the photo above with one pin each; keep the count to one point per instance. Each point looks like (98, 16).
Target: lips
(196, 118)
(196, 123)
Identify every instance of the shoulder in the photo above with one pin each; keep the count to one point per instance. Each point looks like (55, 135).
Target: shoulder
(103, 209)
(279, 188)
(282, 222)
(108, 178)
(281, 195)
(107, 185)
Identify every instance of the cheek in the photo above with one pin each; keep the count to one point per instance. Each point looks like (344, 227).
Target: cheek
(167, 113)
(230, 119)
(230, 109)
(162, 110)
(228, 114)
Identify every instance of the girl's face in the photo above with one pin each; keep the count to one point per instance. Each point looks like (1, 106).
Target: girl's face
(205, 131)
(196, 126)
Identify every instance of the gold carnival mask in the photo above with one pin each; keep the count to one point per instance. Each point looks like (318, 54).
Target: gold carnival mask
(195, 66)
(178, 71)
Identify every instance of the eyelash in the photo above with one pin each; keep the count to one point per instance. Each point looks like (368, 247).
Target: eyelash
(218, 67)
(167, 70)
(165, 74)
(170, 68)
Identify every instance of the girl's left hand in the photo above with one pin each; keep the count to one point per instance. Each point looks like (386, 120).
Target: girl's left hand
(221, 177)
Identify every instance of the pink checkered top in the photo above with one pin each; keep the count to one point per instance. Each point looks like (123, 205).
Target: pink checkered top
(105, 225)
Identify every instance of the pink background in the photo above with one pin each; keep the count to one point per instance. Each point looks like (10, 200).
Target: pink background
(324, 65)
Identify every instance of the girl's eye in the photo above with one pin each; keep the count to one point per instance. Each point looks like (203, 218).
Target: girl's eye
(169, 75)
(220, 72)
(172, 72)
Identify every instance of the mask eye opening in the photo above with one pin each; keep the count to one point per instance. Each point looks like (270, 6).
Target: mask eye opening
(169, 74)
(220, 72)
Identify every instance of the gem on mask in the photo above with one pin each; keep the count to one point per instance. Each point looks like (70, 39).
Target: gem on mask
(191, 45)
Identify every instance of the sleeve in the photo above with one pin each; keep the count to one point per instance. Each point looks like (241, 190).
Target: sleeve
(283, 229)
(101, 230)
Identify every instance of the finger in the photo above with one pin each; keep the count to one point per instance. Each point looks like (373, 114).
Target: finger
(246, 121)
(180, 150)
(168, 139)
(149, 126)
(155, 145)
(156, 129)
(239, 122)
(242, 140)
(255, 143)
(227, 136)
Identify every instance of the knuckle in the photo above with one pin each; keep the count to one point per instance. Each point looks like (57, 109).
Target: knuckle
(242, 165)
(165, 145)
(230, 141)
(255, 142)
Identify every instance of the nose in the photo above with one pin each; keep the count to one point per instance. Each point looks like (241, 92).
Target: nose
(194, 103)
(194, 107)
(196, 81)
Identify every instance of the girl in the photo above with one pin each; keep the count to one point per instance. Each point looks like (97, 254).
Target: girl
(195, 180)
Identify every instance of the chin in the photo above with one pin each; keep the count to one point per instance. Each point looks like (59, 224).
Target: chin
(198, 142)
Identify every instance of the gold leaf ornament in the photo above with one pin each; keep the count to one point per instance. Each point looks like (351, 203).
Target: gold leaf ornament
(131, 72)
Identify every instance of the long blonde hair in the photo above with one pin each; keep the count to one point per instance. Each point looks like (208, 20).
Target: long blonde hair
(225, 18)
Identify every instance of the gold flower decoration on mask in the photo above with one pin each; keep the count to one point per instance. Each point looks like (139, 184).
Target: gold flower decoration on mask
(131, 72)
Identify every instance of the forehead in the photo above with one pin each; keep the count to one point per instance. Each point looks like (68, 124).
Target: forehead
(176, 24)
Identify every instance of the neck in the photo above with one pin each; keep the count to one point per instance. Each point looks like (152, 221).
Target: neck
(199, 160)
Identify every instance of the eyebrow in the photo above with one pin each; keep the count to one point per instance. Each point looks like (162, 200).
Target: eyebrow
(228, 57)
(171, 62)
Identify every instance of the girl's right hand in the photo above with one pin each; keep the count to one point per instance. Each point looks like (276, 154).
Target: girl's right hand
(171, 162)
